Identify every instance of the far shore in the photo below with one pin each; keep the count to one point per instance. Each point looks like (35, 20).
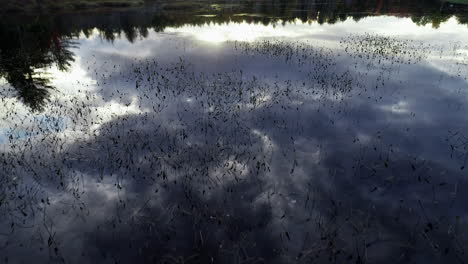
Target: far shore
(26, 6)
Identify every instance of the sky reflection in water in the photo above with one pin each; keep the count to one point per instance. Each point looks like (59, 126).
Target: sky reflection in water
(245, 143)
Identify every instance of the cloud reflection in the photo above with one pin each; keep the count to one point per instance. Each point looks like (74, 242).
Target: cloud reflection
(280, 151)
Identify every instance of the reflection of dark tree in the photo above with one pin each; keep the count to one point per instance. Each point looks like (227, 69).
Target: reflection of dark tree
(27, 49)
(34, 91)
(330, 12)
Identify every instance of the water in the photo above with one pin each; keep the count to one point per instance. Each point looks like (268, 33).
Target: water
(236, 133)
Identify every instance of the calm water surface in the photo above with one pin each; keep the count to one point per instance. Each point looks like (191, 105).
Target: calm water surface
(235, 137)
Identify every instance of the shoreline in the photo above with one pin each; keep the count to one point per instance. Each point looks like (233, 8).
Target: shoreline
(47, 6)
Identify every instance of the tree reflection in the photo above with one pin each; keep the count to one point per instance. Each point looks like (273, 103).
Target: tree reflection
(24, 50)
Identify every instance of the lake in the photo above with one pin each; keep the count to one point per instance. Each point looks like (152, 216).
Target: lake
(235, 132)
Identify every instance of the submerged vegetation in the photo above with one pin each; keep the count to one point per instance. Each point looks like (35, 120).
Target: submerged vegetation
(230, 167)
(123, 140)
